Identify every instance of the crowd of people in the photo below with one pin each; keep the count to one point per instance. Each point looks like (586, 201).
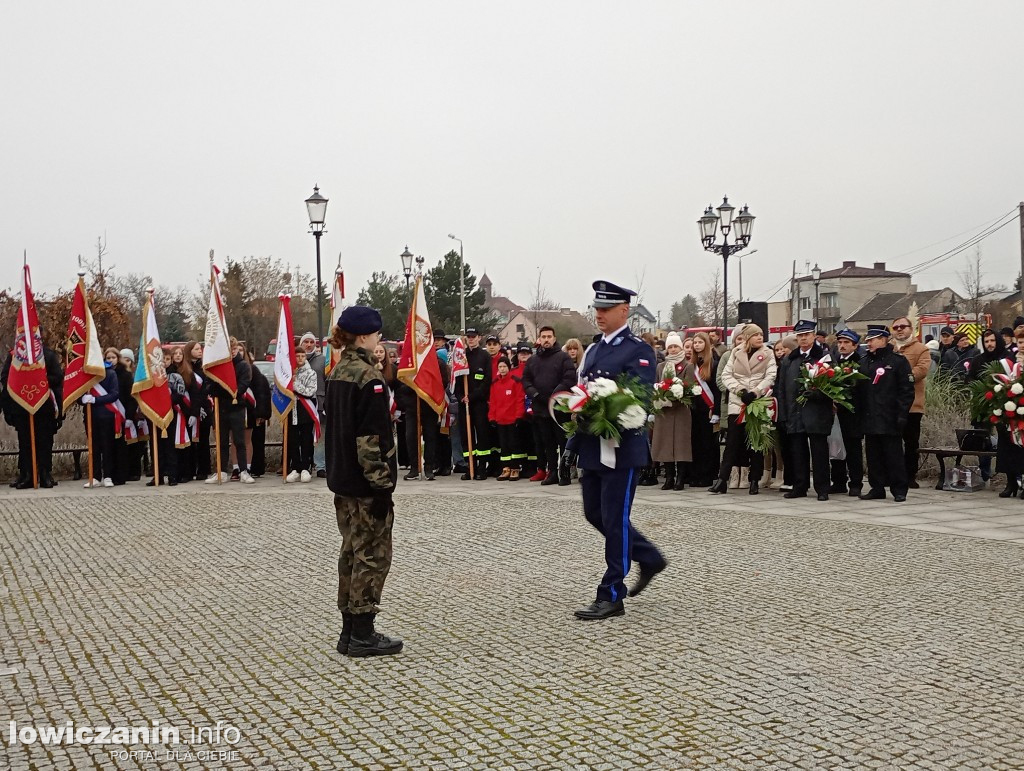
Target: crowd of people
(498, 424)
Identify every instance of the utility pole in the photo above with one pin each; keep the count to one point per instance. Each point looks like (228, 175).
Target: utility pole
(794, 300)
(1020, 222)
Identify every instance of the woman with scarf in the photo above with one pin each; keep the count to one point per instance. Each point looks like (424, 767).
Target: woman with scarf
(705, 412)
(1009, 457)
(200, 461)
(101, 401)
(671, 442)
(187, 432)
(749, 374)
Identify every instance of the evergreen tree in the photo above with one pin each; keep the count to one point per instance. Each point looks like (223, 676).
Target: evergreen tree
(442, 289)
(387, 294)
(686, 313)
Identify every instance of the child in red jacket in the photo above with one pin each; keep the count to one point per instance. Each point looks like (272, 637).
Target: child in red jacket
(507, 408)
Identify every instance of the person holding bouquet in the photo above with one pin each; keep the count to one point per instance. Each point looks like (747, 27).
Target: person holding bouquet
(609, 483)
(851, 469)
(749, 374)
(888, 395)
(671, 439)
(807, 416)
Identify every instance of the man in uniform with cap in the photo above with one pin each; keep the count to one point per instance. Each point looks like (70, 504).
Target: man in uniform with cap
(888, 395)
(475, 405)
(608, 491)
(851, 469)
(361, 472)
(809, 424)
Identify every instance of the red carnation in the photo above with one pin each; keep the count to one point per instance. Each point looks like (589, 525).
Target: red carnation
(994, 419)
(990, 396)
(847, 370)
(831, 373)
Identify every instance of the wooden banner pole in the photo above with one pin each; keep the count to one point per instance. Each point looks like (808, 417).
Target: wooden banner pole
(469, 429)
(35, 462)
(156, 457)
(284, 448)
(88, 441)
(216, 428)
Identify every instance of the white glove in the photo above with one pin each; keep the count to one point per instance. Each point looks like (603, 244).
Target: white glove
(88, 399)
(715, 419)
(202, 414)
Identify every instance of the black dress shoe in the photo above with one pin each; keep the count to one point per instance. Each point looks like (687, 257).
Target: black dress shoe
(754, 488)
(321, 474)
(719, 487)
(480, 476)
(550, 479)
(172, 482)
(822, 496)
(47, 482)
(447, 472)
(411, 476)
(795, 494)
(837, 489)
(1009, 492)
(913, 485)
(855, 492)
(601, 609)
(429, 476)
(466, 477)
(873, 495)
(17, 482)
(23, 484)
(646, 574)
(899, 498)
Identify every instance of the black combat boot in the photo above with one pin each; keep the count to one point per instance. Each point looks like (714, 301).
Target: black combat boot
(346, 633)
(366, 642)
(22, 478)
(649, 476)
(670, 477)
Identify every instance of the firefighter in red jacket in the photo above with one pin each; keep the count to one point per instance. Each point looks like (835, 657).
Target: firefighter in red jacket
(507, 408)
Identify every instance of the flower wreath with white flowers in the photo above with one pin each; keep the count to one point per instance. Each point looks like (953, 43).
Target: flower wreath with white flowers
(603, 407)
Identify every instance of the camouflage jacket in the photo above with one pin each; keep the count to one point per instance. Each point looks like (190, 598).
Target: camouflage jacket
(360, 442)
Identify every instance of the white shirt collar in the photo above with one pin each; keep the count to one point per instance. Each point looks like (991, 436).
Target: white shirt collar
(608, 338)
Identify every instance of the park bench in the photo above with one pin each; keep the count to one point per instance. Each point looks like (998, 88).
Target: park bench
(970, 441)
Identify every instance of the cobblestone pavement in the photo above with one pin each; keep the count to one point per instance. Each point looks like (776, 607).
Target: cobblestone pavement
(770, 642)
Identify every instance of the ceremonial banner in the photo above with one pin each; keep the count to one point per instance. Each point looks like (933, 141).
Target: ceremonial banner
(460, 364)
(27, 383)
(418, 367)
(282, 396)
(217, 353)
(150, 387)
(337, 295)
(85, 357)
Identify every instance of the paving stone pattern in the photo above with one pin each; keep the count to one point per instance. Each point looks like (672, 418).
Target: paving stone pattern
(770, 642)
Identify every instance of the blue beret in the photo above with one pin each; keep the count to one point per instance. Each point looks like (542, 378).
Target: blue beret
(360, 320)
(848, 334)
(608, 295)
(877, 330)
(804, 325)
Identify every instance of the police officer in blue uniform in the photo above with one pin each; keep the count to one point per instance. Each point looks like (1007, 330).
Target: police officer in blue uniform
(608, 492)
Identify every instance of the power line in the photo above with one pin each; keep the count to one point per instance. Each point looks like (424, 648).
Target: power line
(986, 224)
(973, 241)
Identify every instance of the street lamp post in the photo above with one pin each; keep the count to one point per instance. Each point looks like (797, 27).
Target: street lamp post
(316, 207)
(406, 266)
(709, 226)
(462, 286)
(816, 276)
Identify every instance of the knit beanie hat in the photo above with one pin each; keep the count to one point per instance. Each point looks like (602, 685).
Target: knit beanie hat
(673, 339)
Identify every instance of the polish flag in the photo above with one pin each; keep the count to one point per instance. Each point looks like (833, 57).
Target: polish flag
(217, 353)
(418, 367)
(337, 295)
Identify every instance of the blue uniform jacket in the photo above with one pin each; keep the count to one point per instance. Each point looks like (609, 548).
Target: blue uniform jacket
(626, 355)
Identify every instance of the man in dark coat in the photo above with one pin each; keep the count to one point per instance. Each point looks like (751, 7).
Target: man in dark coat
(550, 371)
(887, 397)
(852, 468)
(809, 424)
(48, 418)
(608, 489)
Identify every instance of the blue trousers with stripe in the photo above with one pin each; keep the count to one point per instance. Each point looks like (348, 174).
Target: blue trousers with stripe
(607, 501)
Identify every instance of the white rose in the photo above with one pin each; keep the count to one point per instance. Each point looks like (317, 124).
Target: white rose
(1020, 410)
(601, 387)
(1016, 389)
(634, 416)
(1010, 407)
(677, 390)
(662, 403)
(997, 413)
(697, 390)
(998, 388)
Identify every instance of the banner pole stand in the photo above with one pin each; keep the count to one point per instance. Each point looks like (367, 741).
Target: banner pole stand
(88, 440)
(469, 429)
(35, 462)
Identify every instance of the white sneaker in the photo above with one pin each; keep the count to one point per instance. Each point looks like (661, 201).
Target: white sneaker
(785, 488)
(108, 482)
(246, 478)
(292, 477)
(306, 476)
(93, 483)
(212, 479)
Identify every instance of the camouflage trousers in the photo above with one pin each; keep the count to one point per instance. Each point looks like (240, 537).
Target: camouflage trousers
(365, 554)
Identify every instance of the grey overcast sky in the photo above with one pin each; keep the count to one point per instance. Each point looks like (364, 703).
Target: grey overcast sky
(583, 138)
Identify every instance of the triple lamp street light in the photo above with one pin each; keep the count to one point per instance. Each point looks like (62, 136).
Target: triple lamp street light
(710, 224)
(316, 207)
